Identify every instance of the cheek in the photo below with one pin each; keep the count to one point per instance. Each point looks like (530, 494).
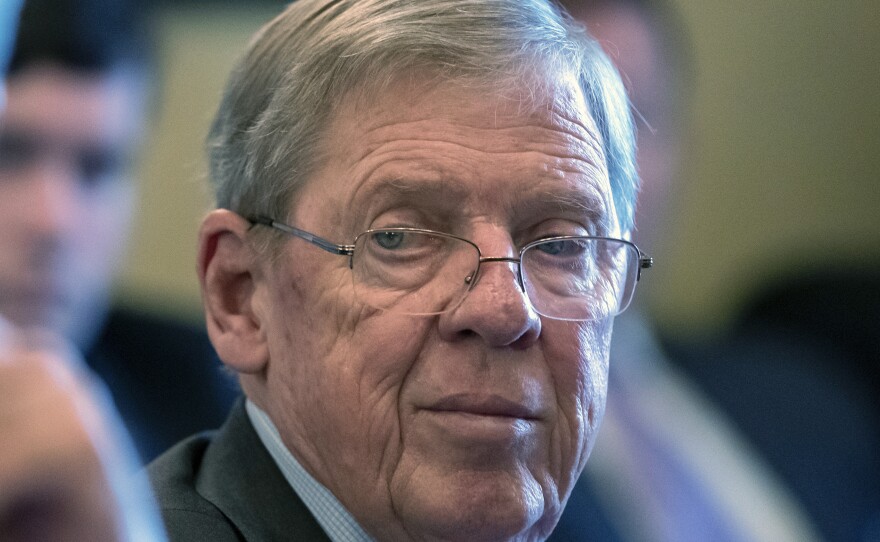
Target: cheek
(110, 212)
(371, 365)
(11, 203)
(579, 366)
(341, 376)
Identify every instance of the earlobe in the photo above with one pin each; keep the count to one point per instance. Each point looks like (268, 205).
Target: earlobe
(228, 274)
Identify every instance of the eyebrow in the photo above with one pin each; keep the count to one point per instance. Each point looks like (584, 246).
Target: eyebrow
(434, 190)
(566, 204)
(404, 186)
(580, 202)
(554, 200)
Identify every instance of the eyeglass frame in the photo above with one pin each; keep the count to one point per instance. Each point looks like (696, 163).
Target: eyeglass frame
(644, 261)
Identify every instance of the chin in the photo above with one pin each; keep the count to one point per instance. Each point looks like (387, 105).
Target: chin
(481, 507)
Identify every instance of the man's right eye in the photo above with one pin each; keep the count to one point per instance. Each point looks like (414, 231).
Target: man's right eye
(389, 239)
(563, 247)
(15, 152)
(98, 166)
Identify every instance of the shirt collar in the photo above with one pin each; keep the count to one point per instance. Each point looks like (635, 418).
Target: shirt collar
(336, 521)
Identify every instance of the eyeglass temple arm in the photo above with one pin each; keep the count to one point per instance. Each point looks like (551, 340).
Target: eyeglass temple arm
(343, 250)
(645, 262)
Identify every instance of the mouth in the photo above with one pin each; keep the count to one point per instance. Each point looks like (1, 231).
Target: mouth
(481, 424)
(32, 301)
(38, 295)
(492, 406)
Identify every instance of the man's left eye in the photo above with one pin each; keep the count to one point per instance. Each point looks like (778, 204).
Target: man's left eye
(389, 239)
(563, 247)
(16, 151)
(98, 166)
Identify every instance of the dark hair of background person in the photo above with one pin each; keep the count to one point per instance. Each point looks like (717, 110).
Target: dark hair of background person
(93, 36)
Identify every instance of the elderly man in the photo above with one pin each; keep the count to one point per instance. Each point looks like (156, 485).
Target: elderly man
(420, 246)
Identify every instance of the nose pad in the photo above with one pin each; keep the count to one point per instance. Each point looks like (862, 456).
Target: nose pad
(474, 277)
(471, 279)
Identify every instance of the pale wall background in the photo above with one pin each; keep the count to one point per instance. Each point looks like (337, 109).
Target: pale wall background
(781, 169)
(198, 47)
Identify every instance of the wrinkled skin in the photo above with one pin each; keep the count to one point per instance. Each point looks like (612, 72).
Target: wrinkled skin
(470, 425)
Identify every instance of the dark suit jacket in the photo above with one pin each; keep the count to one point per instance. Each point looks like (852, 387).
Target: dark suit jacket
(799, 373)
(164, 376)
(224, 486)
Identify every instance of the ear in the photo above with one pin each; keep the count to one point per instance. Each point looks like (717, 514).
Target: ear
(228, 272)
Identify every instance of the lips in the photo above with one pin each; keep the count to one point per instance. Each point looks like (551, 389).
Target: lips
(485, 405)
(42, 295)
(31, 303)
(479, 429)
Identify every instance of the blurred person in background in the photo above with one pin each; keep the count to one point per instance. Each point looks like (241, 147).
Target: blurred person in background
(669, 466)
(66, 463)
(79, 86)
(806, 347)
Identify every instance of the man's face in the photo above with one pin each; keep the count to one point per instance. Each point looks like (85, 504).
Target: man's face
(470, 425)
(66, 141)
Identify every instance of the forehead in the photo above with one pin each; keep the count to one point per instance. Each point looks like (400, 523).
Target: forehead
(443, 144)
(71, 106)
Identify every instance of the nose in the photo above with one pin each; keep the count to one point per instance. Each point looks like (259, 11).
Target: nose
(496, 308)
(486, 259)
(52, 199)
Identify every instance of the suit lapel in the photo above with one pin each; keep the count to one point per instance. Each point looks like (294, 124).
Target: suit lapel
(240, 478)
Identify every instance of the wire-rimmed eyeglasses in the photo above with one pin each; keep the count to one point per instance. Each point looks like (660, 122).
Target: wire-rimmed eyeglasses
(423, 272)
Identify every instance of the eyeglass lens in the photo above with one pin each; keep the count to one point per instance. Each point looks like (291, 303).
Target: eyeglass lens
(423, 273)
(581, 278)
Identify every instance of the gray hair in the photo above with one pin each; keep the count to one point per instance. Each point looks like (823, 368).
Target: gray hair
(263, 142)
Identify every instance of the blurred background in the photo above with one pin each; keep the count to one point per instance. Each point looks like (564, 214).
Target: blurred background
(780, 163)
(762, 312)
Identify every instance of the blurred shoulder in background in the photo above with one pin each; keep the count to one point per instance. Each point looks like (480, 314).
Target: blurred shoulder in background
(806, 350)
